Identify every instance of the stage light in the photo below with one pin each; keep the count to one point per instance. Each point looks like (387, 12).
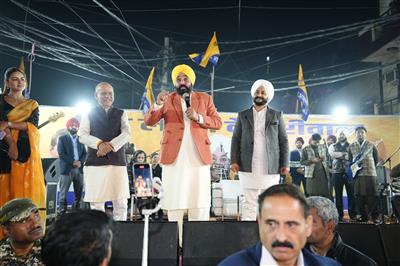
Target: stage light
(340, 113)
(83, 107)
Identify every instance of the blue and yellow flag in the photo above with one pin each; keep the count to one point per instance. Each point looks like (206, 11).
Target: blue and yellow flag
(302, 96)
(148, 96)
(211, 55)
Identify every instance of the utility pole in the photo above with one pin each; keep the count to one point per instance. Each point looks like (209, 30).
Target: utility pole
(166, 54)
(268, 58)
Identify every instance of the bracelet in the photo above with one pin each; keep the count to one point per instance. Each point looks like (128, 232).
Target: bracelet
(9, 124)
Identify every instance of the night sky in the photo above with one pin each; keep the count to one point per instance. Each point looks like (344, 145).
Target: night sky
(190, 25)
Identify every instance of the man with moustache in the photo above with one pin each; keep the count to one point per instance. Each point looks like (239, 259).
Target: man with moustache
(365, 184)
(284, 223)
(339, 154)
(72, 155)
(185, 147)
(314, 157)
(259, 147)
(23, 228)
(105, 131)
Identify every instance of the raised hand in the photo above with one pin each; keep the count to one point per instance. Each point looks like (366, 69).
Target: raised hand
(162, 97)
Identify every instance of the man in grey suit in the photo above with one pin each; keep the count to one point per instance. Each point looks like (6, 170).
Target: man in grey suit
(259, 147)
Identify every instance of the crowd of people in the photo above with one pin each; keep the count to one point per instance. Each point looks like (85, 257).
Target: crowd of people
(92, 158)
(324, 168)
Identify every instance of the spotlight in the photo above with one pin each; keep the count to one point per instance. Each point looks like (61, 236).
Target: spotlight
(340, 113)
(83, 107)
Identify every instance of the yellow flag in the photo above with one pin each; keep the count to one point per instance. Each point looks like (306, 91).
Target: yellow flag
(212, 50)
(300, 82)
(148, 97)
(22, 65)
(22, 68)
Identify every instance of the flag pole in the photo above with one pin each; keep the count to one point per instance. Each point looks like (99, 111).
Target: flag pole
(212, 82)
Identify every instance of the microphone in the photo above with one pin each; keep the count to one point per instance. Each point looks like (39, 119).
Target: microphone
(186, 97)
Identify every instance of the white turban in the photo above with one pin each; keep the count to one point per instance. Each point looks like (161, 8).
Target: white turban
(269, 88)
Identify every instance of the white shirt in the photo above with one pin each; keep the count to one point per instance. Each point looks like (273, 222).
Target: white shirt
(74, 140)
(268, 260)
(259, 162)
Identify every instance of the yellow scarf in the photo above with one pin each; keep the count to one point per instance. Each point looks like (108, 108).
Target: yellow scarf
(22, 111)
(26, 180)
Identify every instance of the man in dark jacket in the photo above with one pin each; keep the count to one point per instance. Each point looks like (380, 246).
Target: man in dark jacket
(72, 155)
(326, 241)
(284, 223)
(296, 169)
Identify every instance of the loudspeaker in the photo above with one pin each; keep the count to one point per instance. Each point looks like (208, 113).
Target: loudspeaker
(208, 243)
(128, 243)
(365, 238)
(51, 168)
(390, 238)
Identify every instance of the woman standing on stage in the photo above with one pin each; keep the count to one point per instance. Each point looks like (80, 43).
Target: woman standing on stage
(21, 173)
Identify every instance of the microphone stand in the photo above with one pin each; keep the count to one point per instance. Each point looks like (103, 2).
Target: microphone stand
(147, 213)
(386, 184)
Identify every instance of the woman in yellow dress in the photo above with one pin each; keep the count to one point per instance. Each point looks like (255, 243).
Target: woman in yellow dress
(21, 173)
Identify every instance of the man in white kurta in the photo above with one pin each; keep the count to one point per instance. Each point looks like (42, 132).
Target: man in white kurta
(105, 174)
(185, 147)
(259, 147)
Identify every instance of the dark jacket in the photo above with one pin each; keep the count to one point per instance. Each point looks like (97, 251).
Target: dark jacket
(66, 154)
(277, 141)
(347, 255)
(252, 256)
(105, 126)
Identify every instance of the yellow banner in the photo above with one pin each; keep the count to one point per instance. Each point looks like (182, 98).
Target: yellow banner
(383, 130)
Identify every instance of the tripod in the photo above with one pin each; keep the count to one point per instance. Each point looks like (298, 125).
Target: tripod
(385, 187)
(380, 218)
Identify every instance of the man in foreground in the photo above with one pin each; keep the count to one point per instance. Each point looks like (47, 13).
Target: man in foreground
(23, 228)
(79, 238)
(284, 223)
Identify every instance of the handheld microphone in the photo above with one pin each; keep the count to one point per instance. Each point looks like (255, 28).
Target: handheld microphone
(186, 97)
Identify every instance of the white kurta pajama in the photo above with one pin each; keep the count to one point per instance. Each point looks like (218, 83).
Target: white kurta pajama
(187, 182)
(106, 182)
(258, 180)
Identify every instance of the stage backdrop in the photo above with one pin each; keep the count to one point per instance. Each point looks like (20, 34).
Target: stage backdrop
(384, 131)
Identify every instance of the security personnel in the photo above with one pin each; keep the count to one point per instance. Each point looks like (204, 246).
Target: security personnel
(23, 228)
